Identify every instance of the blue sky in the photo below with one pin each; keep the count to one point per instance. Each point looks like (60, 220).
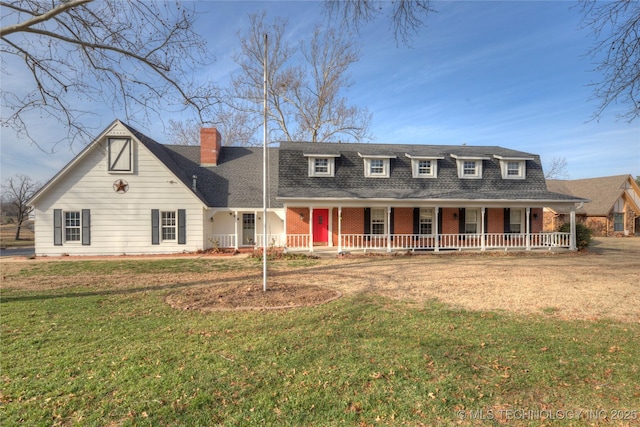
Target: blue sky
(505, 73)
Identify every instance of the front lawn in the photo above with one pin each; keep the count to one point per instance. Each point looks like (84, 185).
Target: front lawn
(113, 355)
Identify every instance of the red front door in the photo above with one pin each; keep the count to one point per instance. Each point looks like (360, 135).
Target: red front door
(321, 226)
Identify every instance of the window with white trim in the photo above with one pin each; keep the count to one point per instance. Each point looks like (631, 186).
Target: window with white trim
(321, 165)
(72, 226)
(168, 225)
(378, 221)
(471, 221)
(515, 221)
(470, 168)
(513, 167)
(426, 221)
(424, 167)
(376, 166)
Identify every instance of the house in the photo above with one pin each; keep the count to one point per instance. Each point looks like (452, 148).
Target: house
(127, 194)
(614, 209)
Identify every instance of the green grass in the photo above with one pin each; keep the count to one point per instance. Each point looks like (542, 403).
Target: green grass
(126, 358)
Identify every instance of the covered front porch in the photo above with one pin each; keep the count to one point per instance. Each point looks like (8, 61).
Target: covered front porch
(430, 228)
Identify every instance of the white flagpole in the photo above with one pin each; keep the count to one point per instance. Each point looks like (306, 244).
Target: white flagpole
(264, 177)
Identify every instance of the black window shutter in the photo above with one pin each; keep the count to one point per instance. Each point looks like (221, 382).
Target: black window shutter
(86, 227)
(461, 220)
(182, 226)
(439, 231)
(155, 227)
(367, 220)
(367, 223)
(57, 227)
(507, 220)
(486, 221)
(416, 220)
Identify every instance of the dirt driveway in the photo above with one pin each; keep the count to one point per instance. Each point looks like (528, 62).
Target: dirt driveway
(603, 283)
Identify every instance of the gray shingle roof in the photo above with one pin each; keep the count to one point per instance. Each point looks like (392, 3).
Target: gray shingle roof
(236, 182)
(349, 180)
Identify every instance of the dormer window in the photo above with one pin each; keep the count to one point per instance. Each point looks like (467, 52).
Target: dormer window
(376, 166)
(469, 167)
(321, 165)
(424, 167)
(513, 167)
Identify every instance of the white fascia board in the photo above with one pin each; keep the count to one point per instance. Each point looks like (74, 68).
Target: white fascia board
(424, 157)
(376, 156)
(442, 203)
(514, 158)
(455, 156)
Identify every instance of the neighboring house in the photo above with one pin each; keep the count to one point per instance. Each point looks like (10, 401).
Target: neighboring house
(127, 194)
(614, 209)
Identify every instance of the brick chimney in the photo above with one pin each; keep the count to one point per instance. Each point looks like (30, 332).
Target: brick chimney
(210, 144)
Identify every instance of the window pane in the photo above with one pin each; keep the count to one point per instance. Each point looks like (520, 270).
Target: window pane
(471, 219)
(515, 221)
(426, 221)
(168, 223)
(513, 168)
(322, 165)
(377, 166)
(618, 222)
(378, 217)
(424, 167)
(72, 226)
(469, 168)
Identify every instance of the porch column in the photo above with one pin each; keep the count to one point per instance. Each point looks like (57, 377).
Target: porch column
(528, 227)
(437, 220)
(339, 229)
(255, 230)
(388, 228)
(572, 229)
(235, 230)
(482, 242)
(310, 229)
(330, 219)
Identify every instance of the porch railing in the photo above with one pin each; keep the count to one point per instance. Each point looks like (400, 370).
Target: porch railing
(415, 241)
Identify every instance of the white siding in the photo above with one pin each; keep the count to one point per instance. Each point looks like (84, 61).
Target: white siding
(120, 223)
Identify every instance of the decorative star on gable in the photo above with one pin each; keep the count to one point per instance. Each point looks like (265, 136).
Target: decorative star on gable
(120, 186)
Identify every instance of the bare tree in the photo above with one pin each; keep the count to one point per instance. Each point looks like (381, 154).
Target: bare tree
(558, 169)
(305, 86)
(134, 56)
(15, 194)
(615, 26)
(405, 17)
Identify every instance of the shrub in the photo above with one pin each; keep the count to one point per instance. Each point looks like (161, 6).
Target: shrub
(583, 234)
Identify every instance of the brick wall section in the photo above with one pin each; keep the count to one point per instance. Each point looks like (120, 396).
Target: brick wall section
(449, 223)
(495, 223)
(294, 224)
(403, 221)
(352, 220)
(536, 220)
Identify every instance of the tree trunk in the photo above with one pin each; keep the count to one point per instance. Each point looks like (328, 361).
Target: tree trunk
(18, 231)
